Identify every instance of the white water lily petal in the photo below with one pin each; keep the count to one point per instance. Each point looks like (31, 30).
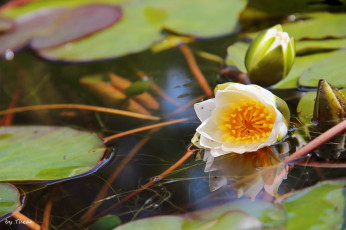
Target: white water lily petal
(204, 109)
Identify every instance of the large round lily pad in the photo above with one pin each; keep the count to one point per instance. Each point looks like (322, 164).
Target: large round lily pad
(9, 200)
(32, 153)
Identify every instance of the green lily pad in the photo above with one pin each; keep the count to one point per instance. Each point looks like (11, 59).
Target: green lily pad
(236, 55)
(242, 214)
(133, 33)
(27, 27)
(202, 18)
(299, 66)
(9, 200)
(306, 46)
(332, 69)
(142, 25)
(306, 105)
(155, 223)
(32, 153)
(14, 12)
(319, 207)
(78, 23)
(106, 223)
(329, 25)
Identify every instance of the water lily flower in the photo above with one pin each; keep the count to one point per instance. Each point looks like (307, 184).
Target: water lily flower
(270, 56)
(241, 118)
(231, 168)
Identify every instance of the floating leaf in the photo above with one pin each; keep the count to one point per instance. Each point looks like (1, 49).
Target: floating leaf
(319, 207)
(332, 70)
(137, 88)
(236, 55)
(47, 153)
(27, 26)
(106, 223)
(132, 34)
(203, 18)
(241, 214)
(30, 6)
(329, 25)
(233, 220)
(300, 64)
(306, 46)
(286, 7)
(306, 105)
(155, 223)
(141, 26)
(77, 23)
(9, 199)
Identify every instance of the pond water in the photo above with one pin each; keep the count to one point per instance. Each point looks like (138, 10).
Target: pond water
(185, 189)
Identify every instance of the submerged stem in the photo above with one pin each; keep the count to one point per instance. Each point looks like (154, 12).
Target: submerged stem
(79, 106)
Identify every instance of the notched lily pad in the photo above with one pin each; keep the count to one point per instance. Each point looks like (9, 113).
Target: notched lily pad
(78, 23)
(36, 153)
(9, 200)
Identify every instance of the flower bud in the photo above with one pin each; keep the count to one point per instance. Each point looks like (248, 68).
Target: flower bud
(270, 56)
(330, 109)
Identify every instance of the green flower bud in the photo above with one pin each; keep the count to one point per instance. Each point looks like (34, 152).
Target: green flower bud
(330, 109)
(270, 56)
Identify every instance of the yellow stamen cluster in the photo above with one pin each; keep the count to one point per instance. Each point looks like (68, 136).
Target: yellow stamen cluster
(247, 122)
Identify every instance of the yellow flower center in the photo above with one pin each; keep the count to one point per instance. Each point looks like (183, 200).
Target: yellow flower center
(247, 122)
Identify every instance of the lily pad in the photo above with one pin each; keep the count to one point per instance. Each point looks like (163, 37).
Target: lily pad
(332, 69)
(307, 46)
(155, 223)
(132, 34)
(236, 55)
(9, 200)
(306, 105)
(329, 25)
(36, 153)
(27, 27)
(319, 207)
(202, 18)
(299, 66)
(237, 215)
(142, 25)
(77, 23)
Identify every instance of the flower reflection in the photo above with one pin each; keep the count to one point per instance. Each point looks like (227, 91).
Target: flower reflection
(233, 167)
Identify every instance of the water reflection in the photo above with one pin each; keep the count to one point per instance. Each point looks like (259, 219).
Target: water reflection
(250, 172)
